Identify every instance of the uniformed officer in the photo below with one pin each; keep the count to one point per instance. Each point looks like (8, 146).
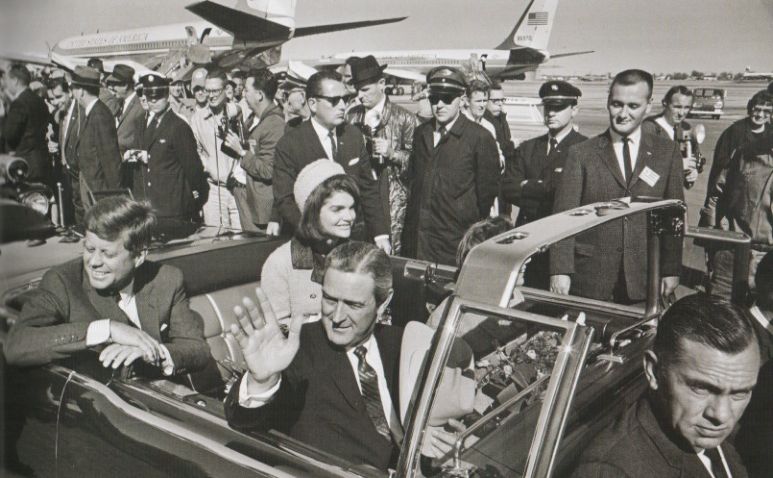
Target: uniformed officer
(532, 175)
(453, 170)
(168, 171)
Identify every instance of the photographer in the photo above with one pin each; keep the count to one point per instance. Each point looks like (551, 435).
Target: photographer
(227, 202)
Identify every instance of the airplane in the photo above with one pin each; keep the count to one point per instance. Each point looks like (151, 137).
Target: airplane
(749, 75)
(523, 50)
(249, 31)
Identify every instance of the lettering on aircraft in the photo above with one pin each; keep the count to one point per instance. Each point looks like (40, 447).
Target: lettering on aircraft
(120, 39)
(523, 38)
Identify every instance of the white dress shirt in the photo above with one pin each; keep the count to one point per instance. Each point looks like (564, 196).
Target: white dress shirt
(436, 134)
(324, 138)
(560, 137)
(373, 116)
(707, 462)
(666, 127)
(91, 105)
(759, 316)
(634, 141)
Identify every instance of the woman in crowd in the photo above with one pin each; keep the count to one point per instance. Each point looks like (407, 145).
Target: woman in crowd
(292, 274)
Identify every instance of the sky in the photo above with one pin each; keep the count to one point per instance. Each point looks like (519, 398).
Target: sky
(657, 35)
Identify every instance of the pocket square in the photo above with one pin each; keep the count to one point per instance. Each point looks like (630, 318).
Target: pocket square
(162, 140)
(353, 161)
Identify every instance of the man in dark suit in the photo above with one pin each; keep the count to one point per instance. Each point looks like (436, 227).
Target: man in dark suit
(332, 384)
(113, 300)
(327, 135)
(531, 176)
(671, 124)
(167, 169)
(25, 125)
(95, 138)
(701, 372)
(129, 112)
(609, 262)
(454, 172)
(265, 128)
(496, 115)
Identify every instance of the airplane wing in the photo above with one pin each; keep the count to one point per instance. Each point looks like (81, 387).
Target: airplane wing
(559, 55)
(405, 74)
(29, 58)
(334, 27)
(242, 25)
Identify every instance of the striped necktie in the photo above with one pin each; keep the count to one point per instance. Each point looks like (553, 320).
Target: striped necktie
(371, 394)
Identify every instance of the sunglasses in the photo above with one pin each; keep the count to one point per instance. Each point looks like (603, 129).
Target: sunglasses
(446, 98)
(334, 100)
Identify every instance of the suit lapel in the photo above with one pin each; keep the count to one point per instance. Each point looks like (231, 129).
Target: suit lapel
(105, 305)
(643, 159)
(146, 304)
(343, 377)
(84, 121)
(151, 136)
(428, 137)
(313, 141)
(609, 158)
(126, 111)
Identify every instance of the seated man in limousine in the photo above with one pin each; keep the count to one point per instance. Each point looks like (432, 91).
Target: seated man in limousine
(112, 301)
(333, 384)
(700, 372)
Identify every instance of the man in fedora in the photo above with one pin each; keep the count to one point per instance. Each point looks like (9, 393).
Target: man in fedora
(454, 171)
(94, 138)
(129, 112)
(388, 130)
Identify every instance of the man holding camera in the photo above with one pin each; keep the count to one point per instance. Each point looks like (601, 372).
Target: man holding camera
(227, 203)
(167, 170)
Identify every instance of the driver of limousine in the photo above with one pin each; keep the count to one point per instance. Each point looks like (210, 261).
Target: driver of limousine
(112, 300)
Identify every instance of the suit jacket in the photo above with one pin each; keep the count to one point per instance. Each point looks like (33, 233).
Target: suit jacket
(96, 148)
(301, 146)
(174, 169)
(635, 445)
(258, 163)
(55, 317)
(531, 163)
(24, 130)
(69, 130)
(319, 402)
(592, 174)
(127, 125)
(756, 425)
(453, 186)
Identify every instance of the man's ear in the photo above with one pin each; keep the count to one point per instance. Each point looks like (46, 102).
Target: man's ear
(385, 304)
(649, 106)
(651, 372)
(140, 258)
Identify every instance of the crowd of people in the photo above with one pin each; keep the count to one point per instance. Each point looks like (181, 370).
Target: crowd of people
(348, 176)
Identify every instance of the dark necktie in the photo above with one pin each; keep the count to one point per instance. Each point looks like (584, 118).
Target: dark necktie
(553, 146)
(627, 159)
(717, 467)
(442, 131)
(333, 145)
(119, 112)
(370, 393)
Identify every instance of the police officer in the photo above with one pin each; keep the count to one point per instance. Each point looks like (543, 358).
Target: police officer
(532, 176)
(454, 173)
(168, 171)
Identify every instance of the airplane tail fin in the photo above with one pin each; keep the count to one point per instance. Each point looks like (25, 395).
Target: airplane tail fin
(533, 27)
(249, 20)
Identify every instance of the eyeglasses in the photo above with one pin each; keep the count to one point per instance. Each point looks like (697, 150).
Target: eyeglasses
(765, 110)
(214, 92)
(334, 100)
(446, 98)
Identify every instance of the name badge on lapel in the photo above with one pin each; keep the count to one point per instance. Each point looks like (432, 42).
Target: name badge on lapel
(649, 176)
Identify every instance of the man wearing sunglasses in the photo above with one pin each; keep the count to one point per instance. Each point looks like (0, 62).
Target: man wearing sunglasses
(454, 169)
(327, 135)
(165, 164)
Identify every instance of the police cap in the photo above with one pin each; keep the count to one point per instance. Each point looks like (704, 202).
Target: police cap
(559, 92)
(446, 78)
(154, 85)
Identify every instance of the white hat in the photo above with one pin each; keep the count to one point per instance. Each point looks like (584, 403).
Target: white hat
(311, 176)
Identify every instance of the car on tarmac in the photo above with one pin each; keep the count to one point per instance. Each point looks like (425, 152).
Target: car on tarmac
(708, 102)
(556, 370)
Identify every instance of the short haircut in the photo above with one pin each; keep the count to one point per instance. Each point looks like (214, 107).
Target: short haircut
(238, 74)
(364, 258)
(309, 229)
(96, 63)
(264, 81)
(706, 319)
(116, 216)
(759, 98)
(59, 82)
(479, 232)
(632, 77)
(478, 85)
(21, 73)
(314, 85)
(495, 85)
(676, 90)
(217, 73)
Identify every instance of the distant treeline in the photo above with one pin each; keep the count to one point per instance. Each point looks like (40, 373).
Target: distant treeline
(700, 75)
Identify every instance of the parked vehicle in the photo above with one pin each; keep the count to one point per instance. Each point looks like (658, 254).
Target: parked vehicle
(708, 102)
(542, 389)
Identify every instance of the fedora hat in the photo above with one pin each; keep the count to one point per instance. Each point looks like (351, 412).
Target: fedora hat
(85, 76)
(123, 74)
(366, 70)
